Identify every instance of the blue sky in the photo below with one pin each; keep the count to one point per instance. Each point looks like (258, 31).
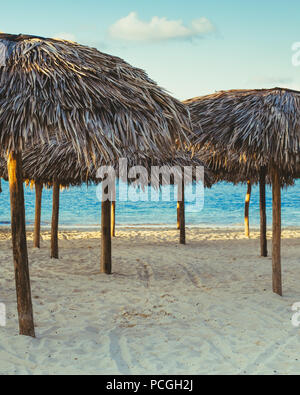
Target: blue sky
(193, 47)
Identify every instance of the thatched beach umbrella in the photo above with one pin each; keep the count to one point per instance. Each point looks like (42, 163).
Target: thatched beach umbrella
(261, 126)
(235, 168)
(41, 167)
(208, 181)
(177, 165)
(97, 101)
(57, 165)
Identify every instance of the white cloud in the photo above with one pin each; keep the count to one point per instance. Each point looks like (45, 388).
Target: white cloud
(271, 80)
(131, 28)
(65, 36)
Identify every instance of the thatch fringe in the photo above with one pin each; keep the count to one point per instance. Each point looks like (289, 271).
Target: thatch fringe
(58, 160)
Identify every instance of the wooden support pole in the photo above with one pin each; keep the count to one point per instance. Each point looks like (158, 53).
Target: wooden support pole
(55, 219)
(38, 208)
(276, 242)
(106, 263)
(113, 219)
(182, 217)
(18, 229)
(247, 204)
(178, 214)
(178, 207)
(263, 214)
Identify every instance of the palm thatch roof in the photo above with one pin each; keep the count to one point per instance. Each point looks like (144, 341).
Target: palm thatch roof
(240, 131)
(99, 102)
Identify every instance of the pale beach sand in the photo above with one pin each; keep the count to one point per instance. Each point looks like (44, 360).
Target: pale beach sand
(203, 308)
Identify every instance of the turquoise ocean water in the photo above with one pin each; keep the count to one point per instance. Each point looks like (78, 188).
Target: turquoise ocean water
(223, 206)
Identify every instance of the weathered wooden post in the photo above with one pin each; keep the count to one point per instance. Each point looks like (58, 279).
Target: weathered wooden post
(182, 217)
(55, 219)
(18, 229)
(178, 207)
(106, 261)
(247, 203)
(276, 238)
(263, 215)
(37, 220)
(178, 214)
(113, 219)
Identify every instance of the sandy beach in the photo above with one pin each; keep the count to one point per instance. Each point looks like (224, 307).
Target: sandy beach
(203, 308)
